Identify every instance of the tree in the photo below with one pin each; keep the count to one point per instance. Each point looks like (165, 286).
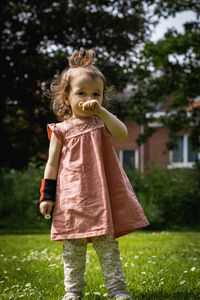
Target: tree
(168, 75)
(37, 38)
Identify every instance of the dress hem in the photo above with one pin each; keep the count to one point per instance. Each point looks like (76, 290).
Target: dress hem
(89, 235)
(61, 237)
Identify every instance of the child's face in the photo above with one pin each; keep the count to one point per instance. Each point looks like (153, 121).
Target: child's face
(84, 88)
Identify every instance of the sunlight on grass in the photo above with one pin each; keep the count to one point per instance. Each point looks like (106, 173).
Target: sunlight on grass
(157, 265)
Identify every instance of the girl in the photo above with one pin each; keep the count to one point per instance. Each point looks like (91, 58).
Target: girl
(95, 201)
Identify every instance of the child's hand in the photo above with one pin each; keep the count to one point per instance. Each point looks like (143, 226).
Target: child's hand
(46, 207)
(91, 106)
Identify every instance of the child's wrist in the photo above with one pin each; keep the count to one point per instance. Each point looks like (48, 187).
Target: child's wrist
(48, 190)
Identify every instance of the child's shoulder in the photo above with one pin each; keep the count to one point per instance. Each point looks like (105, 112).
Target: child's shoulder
(60, 125)
(59, 129)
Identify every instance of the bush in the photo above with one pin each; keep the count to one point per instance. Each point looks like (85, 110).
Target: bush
(19, 197)
(170, 198)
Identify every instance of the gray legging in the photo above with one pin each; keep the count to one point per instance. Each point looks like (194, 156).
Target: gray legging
(74, 258)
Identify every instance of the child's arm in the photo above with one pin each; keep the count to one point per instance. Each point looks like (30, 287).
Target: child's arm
(51, 170)
(114, 125)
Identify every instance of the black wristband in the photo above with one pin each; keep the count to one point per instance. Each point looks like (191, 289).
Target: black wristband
(48, 190)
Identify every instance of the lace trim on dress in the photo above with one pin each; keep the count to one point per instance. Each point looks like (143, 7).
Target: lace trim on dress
(77, 128)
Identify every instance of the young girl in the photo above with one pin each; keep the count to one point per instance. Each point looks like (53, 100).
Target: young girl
(95, 201)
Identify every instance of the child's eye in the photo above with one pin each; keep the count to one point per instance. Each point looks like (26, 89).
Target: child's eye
(96, 94)
(81, 93)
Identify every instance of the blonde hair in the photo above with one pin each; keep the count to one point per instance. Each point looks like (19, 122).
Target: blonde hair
(60, 85)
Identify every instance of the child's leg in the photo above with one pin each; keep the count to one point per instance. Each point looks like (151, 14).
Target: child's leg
(106, 248)
(74, 258)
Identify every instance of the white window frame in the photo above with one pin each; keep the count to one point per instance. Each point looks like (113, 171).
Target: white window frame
(185, 163)
(136, 158)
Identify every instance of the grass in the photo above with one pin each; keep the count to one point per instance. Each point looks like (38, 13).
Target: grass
(157, 265)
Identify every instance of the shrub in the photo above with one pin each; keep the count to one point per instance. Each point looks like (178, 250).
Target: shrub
(170, 198)
(19, 197)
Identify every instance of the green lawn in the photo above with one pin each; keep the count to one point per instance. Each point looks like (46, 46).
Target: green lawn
(157, 265)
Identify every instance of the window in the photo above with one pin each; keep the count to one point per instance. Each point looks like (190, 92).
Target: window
(183, 155)
(192, 155)
(177, 153)
(129, 159)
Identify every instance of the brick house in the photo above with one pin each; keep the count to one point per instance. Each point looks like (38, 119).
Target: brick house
(133, 156)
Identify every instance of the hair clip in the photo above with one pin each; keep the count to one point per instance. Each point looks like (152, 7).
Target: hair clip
(85, 61)
(63, 95)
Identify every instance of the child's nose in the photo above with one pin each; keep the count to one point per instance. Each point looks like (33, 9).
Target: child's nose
(89, 97)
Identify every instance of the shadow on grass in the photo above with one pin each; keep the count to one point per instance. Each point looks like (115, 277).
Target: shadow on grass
(17, 231)
(181, 295)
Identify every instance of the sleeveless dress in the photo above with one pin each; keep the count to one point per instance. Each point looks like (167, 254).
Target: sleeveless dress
(93, 194)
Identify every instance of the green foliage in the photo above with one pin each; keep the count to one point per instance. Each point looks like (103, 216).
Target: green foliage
(167, 78)
(19, 198)
(170, 198)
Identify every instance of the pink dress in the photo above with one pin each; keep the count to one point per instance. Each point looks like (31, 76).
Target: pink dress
(93, 195)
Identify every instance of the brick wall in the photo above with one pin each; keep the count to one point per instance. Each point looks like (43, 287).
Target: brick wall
(157, 150)
(154, 148)
(130, 142)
